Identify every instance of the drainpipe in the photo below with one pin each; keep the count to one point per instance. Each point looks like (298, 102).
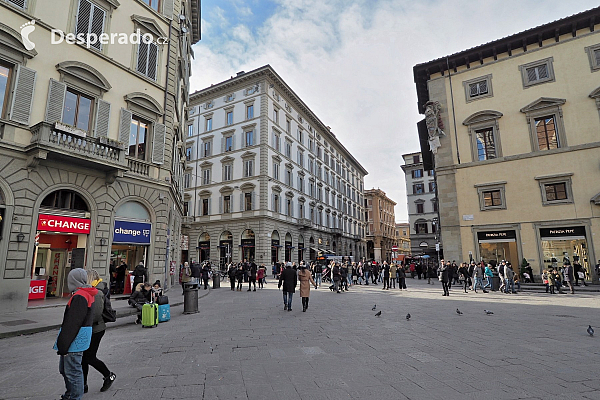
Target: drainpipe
(167, 73)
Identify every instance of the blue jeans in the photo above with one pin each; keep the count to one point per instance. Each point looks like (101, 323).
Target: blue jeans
(70, 368)
(367, 277)
(510, 285)
(287, 299)
(489, 282)
(318, 276)
(478, 281)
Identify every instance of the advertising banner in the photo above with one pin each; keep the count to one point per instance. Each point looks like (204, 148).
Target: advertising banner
(132, 232)
(56, 223)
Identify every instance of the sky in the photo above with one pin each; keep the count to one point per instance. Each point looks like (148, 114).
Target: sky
(351, 61)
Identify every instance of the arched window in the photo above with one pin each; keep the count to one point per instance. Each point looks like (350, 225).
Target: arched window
(65, 199)
(134, 210)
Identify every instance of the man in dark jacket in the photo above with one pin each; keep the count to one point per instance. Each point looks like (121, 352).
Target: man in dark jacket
(444, 271)
(140, 274)
(205, 271)
(231, 273)
(121, 270)
(289, 279)
(386, 276)
(337, 277)
(196, 272)
(252, 275)
(75, 332)
(569, 275)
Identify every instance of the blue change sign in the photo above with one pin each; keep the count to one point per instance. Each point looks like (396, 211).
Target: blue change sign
(132, 232)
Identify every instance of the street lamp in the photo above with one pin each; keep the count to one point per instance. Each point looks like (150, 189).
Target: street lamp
(435, 223)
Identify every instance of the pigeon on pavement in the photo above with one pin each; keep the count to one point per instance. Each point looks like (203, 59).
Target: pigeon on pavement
(488, 312)
(378, 314)
(374, 307)
(590, 330)
(458, 312)
(408, 317)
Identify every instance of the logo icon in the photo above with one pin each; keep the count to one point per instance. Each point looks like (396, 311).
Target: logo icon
(26, 29)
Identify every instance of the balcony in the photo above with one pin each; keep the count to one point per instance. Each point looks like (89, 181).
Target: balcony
(138, 167)
(356, 237)
(336, 231)
(59, 142)
(304, 223)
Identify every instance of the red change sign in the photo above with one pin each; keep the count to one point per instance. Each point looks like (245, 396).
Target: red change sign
(56, 223)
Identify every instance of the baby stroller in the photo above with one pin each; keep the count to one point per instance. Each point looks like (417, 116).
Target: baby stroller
(326, 275)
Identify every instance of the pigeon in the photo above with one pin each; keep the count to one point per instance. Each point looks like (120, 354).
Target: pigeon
(378, 314)
(459, 312)
(408, 317)
(488, 312)
(374, 307)
(590, 330)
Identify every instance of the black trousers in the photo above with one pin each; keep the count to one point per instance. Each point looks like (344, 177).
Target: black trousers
(466, 283)
(401, 283)
(251, 281)
(205, 282)
(232, 282)
(386, 282)
(445, 287)
(304, 302)
(90, 358)
(239, 285)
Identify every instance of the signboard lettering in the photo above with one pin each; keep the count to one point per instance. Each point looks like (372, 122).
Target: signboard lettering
(56, 223)
(132, 232)
(558, 232)
(37, 289)
(491, 235)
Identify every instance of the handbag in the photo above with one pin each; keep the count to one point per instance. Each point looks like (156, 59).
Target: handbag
(162, 300)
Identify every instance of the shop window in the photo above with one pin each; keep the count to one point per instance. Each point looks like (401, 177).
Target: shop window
(65, 199)
(556, 189)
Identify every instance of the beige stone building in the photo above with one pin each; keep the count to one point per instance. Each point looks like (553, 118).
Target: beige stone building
(403, 238)
(266, 179)
(517, 169)
(91, 134)
(381, 225)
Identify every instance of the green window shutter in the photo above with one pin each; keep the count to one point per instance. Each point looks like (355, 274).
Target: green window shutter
(56, 101)
(125, 128)
(20, 109)
(158, 144)
(102, 118)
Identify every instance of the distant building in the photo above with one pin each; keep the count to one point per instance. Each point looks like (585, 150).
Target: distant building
(422, 206)
(517, 167)
(403, 238)
(381, 229)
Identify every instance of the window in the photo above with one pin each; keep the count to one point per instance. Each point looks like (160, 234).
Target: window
(486, 148)
(248, 168)
(138, 136)
(288, 209)
(228, 143)
(190, 130)
(153, 3)
(288, 177)
(227, 204)
(310, 164)
(418, 188)
(147, 59)
(227, 172)
(421, 227)
(90, 20)
(311, 189)
(300, 136)
(435, 205)
(188, 153)
(247, 201)
(556, 189)
(594, 56)
(19, 3)
(276, 202)
(431, 187)
(186, 208)
(276, 141)
(537, 72)
(5, 78)
(301, 158)
(546, 133)
(205, 207)
(206, 176)
(416, 159)
(66, 199)
(276, 116)
(301, 210)
(250, 111)
(186, 180)
(301, 184)
(417, 173)
(206, 149)
(275, 170)
(208, 124)
(288, 149)
(288, 126)
(77, 110)
(478, 88)
(249, 138)
(229, 118)
(491, 196)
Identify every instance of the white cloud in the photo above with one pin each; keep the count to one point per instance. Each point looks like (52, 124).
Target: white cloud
(351, 63)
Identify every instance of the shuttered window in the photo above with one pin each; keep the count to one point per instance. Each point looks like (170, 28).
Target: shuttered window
(19, 3)
(597, 56)
(90, 20)
(478, 88)
(537, 73)
(22, 100)
(147, 59)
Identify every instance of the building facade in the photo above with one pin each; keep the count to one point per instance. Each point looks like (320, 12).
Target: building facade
(422, 206)
(517, 172)
(91, 134)
(403, 239)
(266, 180)
(381, 225)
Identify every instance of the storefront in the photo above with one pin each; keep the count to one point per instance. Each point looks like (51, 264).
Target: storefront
(565, 243)
(288, 247)
(131, 241)
(225, 249)
(248, 245)
(60, 246)
(496, 246)
(275, 246)
(204, 247)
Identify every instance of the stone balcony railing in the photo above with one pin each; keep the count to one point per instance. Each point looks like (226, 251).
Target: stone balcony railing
(138, 166)
(60, 142)
(304, 222)
(336, 231)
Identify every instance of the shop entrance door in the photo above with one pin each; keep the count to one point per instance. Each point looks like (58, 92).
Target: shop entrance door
(59, 265)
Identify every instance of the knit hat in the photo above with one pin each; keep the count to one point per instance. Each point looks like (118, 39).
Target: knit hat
(77, 278)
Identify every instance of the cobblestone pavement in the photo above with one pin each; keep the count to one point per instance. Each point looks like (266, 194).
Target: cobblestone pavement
(243, 345)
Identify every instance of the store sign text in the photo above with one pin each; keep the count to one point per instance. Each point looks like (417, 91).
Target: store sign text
(132, 232)
(55, 223)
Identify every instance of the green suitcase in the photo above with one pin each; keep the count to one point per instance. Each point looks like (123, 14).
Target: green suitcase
(149, 315)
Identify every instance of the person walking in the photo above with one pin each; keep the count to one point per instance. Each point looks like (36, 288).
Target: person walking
(386, 276)
(206, 270)
(337, 276)
(260, 276)
(306, 280)
(578, 271)
(288, 279)
(239, 275)
(252, 271)
(393, 273)
(430, 273)
(478, 278)
(569, 276)
(463, 272)
(510, 278)
(196, 273)
(344, 280)
(444, 276)
(318, 268)
(489, 274)
(231, 273)
(101, 301)
(401, 276)
(75, 334)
